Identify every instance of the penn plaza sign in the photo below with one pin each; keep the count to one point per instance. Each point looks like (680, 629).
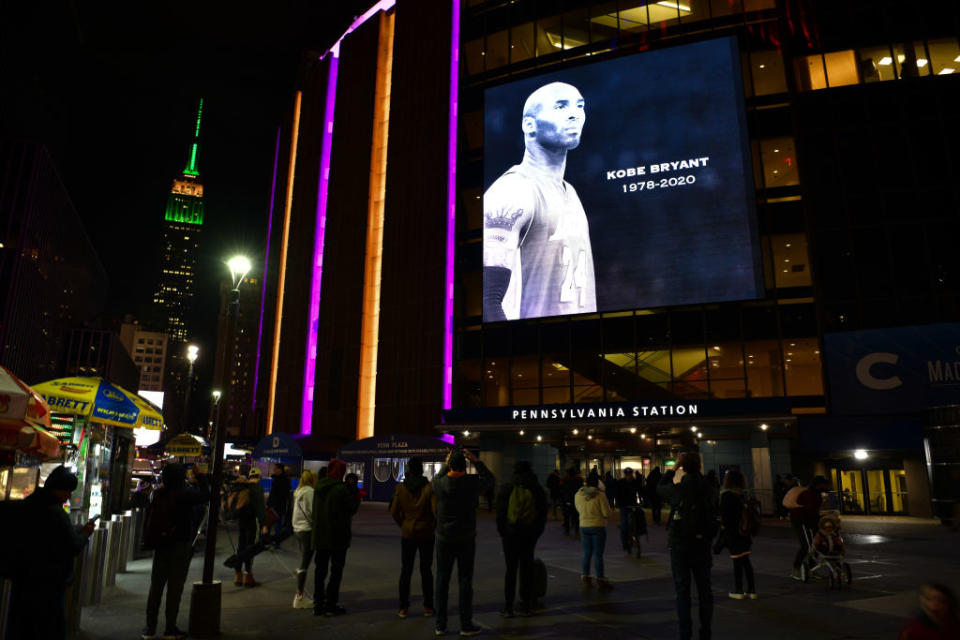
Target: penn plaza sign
(605, 412)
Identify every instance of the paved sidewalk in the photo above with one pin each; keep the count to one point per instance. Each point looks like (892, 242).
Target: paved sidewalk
(890, 559)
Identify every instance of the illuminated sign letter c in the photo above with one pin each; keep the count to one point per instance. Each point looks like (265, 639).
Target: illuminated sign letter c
(872, 382)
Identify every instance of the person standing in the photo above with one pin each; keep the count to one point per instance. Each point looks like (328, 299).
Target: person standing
(251, 520)
(302, 520)
(569, 486)
(733, 537)
(456, 498)
(169, 528)
(279, 499)
(937, 618)
(553, 486)
(628, 497)
(334, 505)
(691, 528)
(40, 580)
(593, 507)
(521, 517)
(653, 495)
(804, 504)
(412, 510)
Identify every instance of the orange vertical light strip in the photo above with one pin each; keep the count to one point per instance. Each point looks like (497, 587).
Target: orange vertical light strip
(370, 330)
(281, 282)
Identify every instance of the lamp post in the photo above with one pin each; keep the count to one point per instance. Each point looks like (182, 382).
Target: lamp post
(205, 598)
(192, 353)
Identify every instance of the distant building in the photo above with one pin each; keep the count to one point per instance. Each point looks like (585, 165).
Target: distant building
(236, 360)
(176, 281)
(148, 350)
(51, 279)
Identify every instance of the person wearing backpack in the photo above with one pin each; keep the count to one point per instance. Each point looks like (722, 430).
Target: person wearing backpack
(521, 517)
(412, 510)
(691, 529)
(737, 527)
(593, 509)
(244, 503)
(169, 529)
(334, 504)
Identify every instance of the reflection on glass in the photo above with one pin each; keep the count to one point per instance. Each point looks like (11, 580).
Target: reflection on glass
(473, 52)
(779, 162)
(576, 29)
(876, 491)
(725, 7)
(944, 56)
(549, 35)
(725, 361)
(851, 492)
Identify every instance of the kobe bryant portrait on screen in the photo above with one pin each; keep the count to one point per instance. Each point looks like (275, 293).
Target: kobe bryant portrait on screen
(537, 259)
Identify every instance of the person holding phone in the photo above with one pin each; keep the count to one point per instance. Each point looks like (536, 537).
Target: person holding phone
(38, 610)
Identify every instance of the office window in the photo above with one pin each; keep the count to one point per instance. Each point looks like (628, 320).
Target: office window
(910, 60)
(689, 365)
(826, 70)
(791, 264)
(876, 64)
(576, 29)
(802, 367)
(522, 43)
(524, 380)
(766, 73)
(764, 368)
(779, 160)
(944, 56)
(498, 49)
(549, 35)
(725, 370)
(474, 54)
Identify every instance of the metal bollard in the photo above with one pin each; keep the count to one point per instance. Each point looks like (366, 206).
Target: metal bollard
(113, 550)
(89, 591)
(6, 587)
(126, 524)
(99, 559)
(73, 595)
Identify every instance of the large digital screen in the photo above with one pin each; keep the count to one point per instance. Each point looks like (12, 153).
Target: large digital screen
(623, 184)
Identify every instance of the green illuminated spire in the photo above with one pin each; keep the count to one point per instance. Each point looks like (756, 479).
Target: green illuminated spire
(191, 169)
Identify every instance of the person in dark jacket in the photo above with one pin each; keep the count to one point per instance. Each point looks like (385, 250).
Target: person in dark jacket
(937, 617)
(412, 510)
(737, 542)
(334, 505)
(653, 496)
(627, 496)
(804, 517)
(279, 498)
(456, 497)
(250, 524)
(40, 579)
(569, 486)
(553, 487)
(520, 523)
(691, 528)
(171, 556)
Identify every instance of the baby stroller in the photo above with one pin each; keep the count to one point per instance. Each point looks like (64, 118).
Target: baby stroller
(826, 554)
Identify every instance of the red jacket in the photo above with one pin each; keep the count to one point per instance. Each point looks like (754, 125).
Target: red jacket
(809, 508)
(922, 628)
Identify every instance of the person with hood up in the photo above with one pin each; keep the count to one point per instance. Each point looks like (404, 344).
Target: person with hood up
(333, 507)
(412, 510)
(302, 521)
(521, 517)
(40, 580)
(456, 496)
(594, 509)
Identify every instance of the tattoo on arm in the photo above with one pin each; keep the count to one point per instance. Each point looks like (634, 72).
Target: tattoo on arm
(502, 219)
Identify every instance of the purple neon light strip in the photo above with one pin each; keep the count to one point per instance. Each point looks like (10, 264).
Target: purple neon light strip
(266, 262)
(451, 206)
(310, 364)
(313, 320)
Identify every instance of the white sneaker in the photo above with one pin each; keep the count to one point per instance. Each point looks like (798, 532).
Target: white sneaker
(302, 602)
(736, 596)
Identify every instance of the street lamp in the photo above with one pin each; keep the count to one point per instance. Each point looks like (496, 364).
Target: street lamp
(192, 352)
(205, 598)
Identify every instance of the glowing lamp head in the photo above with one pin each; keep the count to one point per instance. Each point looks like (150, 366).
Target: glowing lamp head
(521, 431)
(192, 352)
(861, 454)
(539, 438)
(764, 426)
(239, 267)
(216, 395)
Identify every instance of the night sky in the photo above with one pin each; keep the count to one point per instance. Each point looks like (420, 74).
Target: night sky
(112, 89)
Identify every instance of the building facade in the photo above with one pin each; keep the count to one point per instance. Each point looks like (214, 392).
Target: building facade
(236, 356)
(148, 349)
(51, 278)
(379, 324)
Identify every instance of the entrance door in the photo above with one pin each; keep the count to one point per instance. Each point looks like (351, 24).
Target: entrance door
(851, 494)
(871, 491)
